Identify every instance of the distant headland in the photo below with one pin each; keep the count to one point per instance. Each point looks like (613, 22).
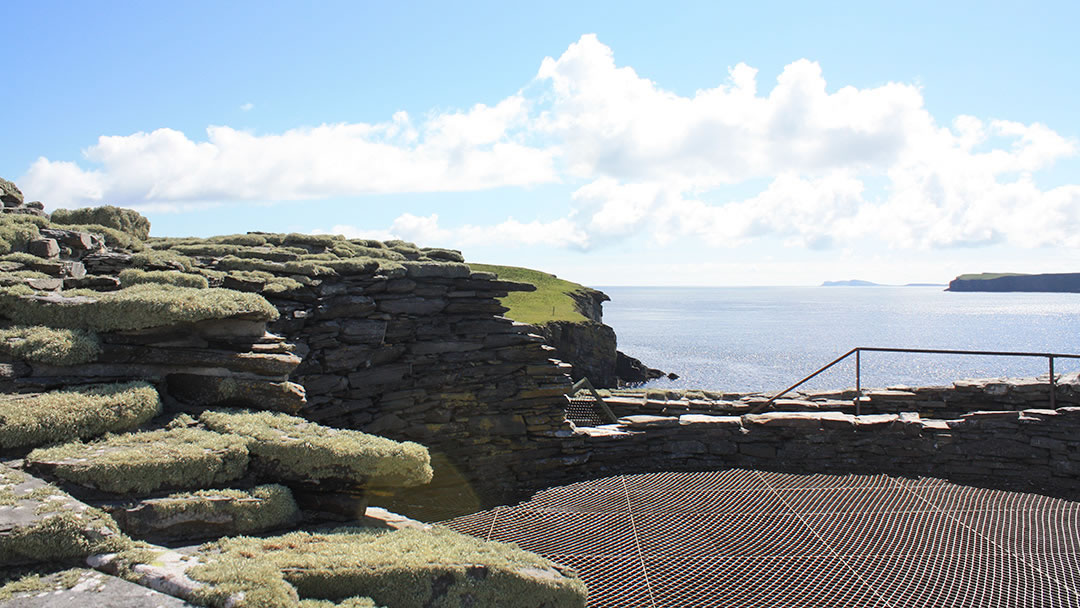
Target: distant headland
(1068, 282)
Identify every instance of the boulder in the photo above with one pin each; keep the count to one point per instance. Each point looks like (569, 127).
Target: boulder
(10, 195)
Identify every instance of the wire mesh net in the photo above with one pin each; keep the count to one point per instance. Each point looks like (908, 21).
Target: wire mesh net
(766, 539)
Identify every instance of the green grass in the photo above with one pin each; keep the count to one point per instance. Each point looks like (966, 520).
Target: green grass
(47, 345)
(256, 510)
(136, 307)
(123, 220)
(985, 276)
(75, 413)
(550, 302)
(140, 463)
(290, 448)
(62, 532)
(135, 276)
(403, 568)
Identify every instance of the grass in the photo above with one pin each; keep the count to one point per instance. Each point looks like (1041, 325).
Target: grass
(134, 276)
(14, 235)
(80, 413)
(550, 302)
(140, 463)
(290, 448)
(62, 532)
(986, 276)
(123, 220)
(261, 508)
(136, 307)
(47, 345)
(403, 568)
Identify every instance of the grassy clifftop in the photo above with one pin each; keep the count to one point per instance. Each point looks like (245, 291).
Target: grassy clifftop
(552, 300)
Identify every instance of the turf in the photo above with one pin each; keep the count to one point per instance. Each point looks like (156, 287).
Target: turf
(550, 302)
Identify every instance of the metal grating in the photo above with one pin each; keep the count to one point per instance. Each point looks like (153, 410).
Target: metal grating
(765, 539)
(584, 412)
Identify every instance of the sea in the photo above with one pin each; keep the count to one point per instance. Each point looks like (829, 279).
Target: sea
(743, 339)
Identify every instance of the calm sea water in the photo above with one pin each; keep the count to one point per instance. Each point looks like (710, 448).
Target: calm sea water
(766, 338)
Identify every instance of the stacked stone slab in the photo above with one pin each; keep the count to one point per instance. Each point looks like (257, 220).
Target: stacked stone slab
(961, 397)
(1032, 449)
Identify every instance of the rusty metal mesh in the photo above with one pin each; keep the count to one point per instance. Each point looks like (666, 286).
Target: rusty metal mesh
(584, 411)
(762, 539)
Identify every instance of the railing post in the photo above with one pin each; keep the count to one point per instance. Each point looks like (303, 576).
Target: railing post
(858, 383)
(1053, 386)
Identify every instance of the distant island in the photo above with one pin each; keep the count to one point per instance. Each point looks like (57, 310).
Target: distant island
(861, 283)
(1068, 282)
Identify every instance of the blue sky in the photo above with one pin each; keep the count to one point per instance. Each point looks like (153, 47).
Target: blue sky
(609, 143)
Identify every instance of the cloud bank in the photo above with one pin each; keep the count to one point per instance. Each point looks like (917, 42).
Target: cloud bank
(640, 160)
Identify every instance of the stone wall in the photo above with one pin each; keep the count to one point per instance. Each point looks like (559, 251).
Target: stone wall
(1035, 449)
(425, 357)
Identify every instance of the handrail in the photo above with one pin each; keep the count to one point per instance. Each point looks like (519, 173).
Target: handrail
(858, 350)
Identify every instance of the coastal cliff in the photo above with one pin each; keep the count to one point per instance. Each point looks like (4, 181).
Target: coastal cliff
(1059, 282)
(570, 318)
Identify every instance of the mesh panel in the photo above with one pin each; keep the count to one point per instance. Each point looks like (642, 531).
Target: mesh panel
(757, 539)
(584, 412)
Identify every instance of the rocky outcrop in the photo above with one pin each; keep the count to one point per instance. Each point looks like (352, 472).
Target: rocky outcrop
(1059, 282)
(590, 346)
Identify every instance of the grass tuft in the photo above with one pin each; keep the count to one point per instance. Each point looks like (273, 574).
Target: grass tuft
(75, 413)
(139, 463)
(291, 448)
(52, 346)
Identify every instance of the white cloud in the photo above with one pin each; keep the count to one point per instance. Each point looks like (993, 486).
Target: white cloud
(247, 107)
(837, 163)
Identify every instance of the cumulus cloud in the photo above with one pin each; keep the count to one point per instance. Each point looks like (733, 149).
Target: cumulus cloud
(451, 152)
(833, 163)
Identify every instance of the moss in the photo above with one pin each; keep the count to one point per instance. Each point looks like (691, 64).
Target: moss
(296, 449)
(75, 413)
(123, 220)
(552, 300)
(46, 345)
(179, 458)
(256, 510)
(134, 276)
(402, 568)
(136, 307)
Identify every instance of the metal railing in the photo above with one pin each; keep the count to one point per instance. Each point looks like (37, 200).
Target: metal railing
(858, 350)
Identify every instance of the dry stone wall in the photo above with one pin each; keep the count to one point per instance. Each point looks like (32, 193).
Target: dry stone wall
(1034, 449)
(426, 357)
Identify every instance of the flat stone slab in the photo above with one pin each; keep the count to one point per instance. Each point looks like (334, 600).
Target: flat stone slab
(92, 589)
(35, 510)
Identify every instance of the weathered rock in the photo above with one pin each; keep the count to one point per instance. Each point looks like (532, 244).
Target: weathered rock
(201, 390)
(10, 195)
(44, 524)
(44, 248)
(87, 588)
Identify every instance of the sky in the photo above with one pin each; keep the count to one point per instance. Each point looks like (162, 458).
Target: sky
(609, 143)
